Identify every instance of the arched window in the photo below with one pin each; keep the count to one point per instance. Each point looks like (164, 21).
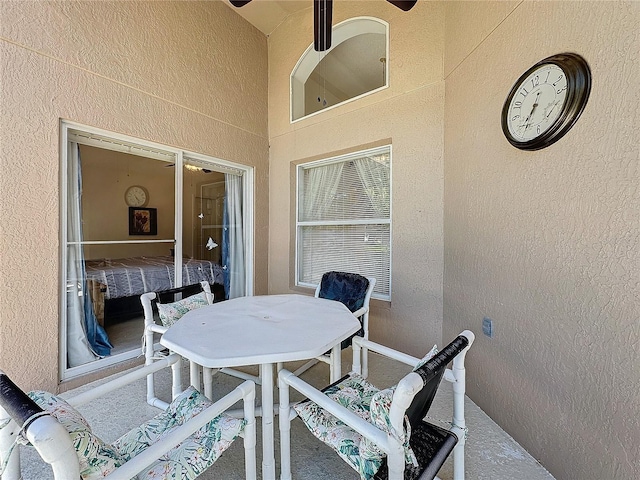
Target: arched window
(354, 66)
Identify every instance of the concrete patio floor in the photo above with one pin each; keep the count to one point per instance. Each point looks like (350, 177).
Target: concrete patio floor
(491, 453)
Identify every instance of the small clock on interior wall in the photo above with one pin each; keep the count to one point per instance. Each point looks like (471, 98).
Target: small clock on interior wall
(546, 101)
(136, 196)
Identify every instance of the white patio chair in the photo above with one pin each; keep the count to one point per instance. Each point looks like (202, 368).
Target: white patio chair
(172, 308)
(382, 434)
(354, 291)
(179, 443)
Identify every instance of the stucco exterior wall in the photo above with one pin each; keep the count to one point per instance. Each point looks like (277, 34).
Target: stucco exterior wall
(547, 243)
(186, 74)
(409, 114)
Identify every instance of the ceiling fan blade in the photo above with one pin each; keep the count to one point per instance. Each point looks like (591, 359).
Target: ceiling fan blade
(322, 17)
(405, 5)
(239, 3)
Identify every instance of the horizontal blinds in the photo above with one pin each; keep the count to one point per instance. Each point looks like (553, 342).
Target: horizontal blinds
(344, 218)
(357, 189)
(362, 249)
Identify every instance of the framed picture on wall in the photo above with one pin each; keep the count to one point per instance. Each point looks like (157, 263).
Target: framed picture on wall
(143, 221)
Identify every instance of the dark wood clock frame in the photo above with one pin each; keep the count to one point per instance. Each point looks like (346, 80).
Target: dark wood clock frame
(578, 76)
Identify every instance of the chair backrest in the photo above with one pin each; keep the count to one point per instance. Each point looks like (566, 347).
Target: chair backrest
(150, 300)
(348, 288)
(431, 373)
(15, 402)
(179, 293)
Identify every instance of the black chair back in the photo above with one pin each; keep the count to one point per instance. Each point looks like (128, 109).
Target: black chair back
(431, 373)
(175, 294)
(15, 402)
(349, 289)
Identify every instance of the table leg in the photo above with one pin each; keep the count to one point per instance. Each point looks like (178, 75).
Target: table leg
(285, 430)
(268, 455)
(207, 380)
(194, 375)
(335, 371)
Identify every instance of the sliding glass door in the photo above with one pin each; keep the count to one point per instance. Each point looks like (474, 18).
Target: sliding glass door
(141, 217)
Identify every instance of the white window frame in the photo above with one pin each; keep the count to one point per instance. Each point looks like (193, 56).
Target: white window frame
(87, 135)
(374, 221)
(310, 59)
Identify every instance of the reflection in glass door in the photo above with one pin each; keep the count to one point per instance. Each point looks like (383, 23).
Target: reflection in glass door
(138, 218)
(211, 207)
(213, 225)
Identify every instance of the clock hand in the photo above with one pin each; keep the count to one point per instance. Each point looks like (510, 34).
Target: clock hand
(533, 107)
(552, 108)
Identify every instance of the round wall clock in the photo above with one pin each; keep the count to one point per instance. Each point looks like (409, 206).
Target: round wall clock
(546, 101)
(136, 196)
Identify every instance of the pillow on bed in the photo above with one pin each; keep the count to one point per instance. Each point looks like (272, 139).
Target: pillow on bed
(170, 313)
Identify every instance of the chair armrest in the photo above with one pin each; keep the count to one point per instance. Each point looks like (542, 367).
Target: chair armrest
(360, 425)
(157, 328)
(53, 443)
(245, 392)
(116, 383)
(359, 343)
(360, 312)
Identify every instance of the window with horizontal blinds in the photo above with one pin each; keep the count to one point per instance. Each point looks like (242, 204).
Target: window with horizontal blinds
(344, 218)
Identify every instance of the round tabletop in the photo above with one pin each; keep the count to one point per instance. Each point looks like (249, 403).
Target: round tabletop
(260, 329)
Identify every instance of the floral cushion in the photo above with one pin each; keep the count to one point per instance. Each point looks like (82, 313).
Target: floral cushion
(369, 403)
(193, 456)
(170, 313)
(379, 412)
(97, 459)
(430, 354)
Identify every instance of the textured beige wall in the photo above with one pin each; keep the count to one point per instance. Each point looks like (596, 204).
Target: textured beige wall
(188, 74)
(410, 113)
(547, 243)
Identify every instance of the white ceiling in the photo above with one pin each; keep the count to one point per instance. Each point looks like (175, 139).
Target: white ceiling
(266, 15)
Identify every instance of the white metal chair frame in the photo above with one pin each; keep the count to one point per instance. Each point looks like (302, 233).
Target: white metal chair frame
(362, 313)
(406, 389)
(149, 348)
(150, 353)
(54, 445)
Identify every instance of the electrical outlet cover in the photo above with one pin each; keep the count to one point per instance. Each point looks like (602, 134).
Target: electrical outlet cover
(487, 327)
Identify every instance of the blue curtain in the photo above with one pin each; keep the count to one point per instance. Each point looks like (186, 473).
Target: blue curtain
(225, 247)
(233, 257)
(96, 335)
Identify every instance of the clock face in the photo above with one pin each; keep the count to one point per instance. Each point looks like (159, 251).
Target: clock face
(546, 101)
(136, 196)
(538, 103)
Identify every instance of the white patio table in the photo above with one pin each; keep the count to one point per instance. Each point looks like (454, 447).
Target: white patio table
(261, 330)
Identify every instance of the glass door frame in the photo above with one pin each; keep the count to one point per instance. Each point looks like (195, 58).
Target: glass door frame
(83, 134)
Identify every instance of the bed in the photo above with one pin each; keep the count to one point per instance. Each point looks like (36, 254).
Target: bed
(110, 279)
